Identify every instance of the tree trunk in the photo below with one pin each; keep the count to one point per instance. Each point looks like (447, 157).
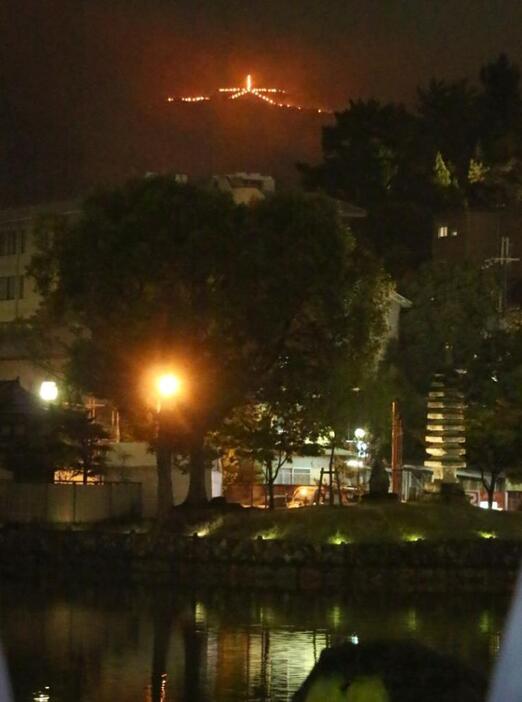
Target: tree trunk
(164, 465)
(271, 502)
(490, 487)
(491, 490)
(197, 493)
(270, 485)
(330, 476)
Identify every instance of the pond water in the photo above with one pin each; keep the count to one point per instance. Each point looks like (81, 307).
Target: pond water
(141, 645)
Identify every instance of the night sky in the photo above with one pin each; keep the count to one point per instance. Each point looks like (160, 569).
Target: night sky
(78, 75)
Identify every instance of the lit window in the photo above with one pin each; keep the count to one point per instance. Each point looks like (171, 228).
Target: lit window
(442, 232)
(454, 232)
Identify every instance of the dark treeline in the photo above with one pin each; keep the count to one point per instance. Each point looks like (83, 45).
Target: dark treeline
(459, 145)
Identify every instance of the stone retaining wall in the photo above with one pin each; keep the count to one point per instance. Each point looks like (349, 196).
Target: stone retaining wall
(465, 566)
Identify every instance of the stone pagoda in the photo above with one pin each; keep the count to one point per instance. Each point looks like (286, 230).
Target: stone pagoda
(445, 429)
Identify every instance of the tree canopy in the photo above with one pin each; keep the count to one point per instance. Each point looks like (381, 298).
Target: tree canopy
(237, 299)
(452, 316)
(494, 415)
(460, 145)
(453, 309)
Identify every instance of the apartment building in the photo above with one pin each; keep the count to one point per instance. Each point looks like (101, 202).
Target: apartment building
(19, 299)
(487, 238)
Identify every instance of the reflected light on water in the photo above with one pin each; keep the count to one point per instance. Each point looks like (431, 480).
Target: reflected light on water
(411, 620)
(293, 654)
(42, 695)
(163, 695)
(494, 644)
(162, 691)
(200, 614)
(485, 622)
(216, 647)
(334, 616)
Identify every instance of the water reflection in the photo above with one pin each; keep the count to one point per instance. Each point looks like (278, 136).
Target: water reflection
(161, 645)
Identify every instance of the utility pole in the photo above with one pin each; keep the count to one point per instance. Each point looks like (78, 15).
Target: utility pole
(396, 449)
(504, 261)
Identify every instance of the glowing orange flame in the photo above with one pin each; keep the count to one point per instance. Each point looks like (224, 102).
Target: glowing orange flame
(248, 89)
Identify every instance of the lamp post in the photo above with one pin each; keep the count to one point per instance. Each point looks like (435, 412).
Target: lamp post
(168, 387)
(396, 450)
(48, 391)
(361, 447)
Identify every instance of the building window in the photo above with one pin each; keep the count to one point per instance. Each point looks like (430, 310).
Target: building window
(11, 287)
(301, 475)
(442, 232)
(7, 242)
(293, 476)
(12, 241)
(454, 232)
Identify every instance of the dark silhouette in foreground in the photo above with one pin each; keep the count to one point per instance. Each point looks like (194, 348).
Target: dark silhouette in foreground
(389, 671)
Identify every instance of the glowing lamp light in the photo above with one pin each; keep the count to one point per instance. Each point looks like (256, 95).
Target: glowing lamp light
(412, 538)
(48, 391)
(168, 385)
(338, 539)
(359, 433)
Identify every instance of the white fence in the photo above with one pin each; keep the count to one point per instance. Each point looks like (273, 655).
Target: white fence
(68, 503)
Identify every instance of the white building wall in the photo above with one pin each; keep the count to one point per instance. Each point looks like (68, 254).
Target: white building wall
(134, 462)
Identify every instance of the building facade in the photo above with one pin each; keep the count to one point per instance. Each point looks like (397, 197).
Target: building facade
(491, 238)
(245, 188)
(19, 299)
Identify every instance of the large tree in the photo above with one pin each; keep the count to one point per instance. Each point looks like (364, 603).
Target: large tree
(453, 309)
(450, 119)
(372, 158)
(269, 436)
(494, 415)
(501, 109)
(453, 312)
(461, 145)
(156, 274)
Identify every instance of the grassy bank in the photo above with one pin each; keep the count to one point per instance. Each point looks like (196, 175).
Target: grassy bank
(363, 523)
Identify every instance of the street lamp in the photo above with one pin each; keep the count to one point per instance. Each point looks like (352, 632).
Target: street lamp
(360, 433)
(168, 385)
(48, 391)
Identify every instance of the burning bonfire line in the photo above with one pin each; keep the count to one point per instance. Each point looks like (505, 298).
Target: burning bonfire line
(273, 96)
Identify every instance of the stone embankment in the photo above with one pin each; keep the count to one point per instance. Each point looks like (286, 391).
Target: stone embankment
(485, 565)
